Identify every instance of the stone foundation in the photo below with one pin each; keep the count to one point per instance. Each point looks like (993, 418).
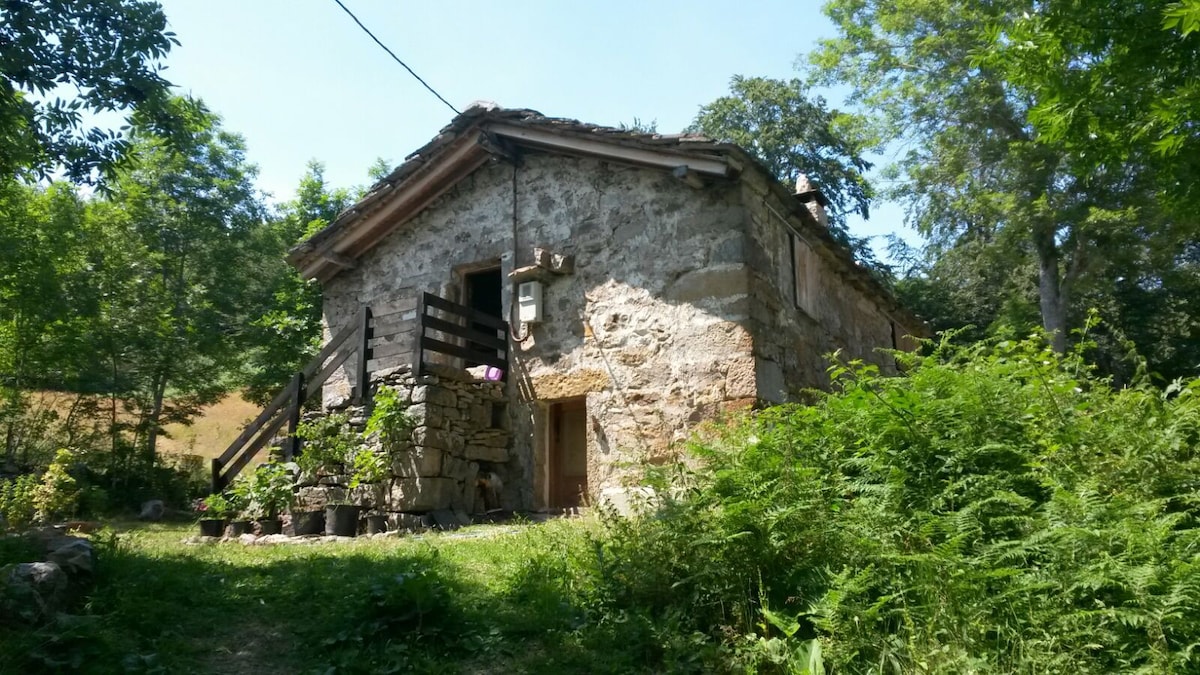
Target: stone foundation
(456, 458)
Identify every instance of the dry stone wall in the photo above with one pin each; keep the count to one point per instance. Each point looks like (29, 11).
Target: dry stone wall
(454, 458)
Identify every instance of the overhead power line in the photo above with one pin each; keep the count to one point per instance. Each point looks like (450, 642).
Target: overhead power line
(396, 58)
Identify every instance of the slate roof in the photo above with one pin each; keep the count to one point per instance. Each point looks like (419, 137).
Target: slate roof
(476, 119)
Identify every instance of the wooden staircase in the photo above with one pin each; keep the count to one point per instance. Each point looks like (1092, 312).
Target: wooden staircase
(396, 337)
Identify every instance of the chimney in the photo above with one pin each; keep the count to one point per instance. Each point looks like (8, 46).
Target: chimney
(813, 200)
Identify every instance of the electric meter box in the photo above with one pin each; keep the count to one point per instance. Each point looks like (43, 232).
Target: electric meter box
(529, 302)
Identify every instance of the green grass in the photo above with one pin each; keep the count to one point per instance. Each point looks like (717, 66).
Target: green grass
(486, 599)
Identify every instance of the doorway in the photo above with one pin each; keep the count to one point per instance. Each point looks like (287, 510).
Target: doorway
(483, 291)
(567, 454)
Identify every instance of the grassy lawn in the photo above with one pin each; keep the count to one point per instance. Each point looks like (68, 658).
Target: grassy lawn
(485, 599)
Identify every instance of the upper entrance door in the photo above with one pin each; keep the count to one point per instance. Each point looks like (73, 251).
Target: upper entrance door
(484, 293)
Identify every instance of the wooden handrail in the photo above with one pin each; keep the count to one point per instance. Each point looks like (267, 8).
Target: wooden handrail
(288, 404)
(431, 300)
(481, 346)
(489, 346)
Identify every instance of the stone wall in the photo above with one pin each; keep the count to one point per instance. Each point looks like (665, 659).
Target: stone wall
(454, 459)
(793, 335)
(679, 307)
(650, 328)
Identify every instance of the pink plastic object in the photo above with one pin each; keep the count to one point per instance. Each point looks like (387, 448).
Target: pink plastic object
(493, 374)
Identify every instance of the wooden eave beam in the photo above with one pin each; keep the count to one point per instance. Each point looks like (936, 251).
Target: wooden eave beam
(713, 166)
(405, 201)
(345, 262)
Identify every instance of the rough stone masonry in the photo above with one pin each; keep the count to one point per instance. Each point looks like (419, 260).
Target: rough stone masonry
(452, 444)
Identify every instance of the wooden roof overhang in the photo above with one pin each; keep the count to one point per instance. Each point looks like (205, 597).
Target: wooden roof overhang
(450, 158)
(358, 229)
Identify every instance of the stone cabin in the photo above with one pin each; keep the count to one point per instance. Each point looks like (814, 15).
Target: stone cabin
(647, 282)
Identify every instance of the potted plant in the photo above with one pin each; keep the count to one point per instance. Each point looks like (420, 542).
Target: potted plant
(239, 505)
(327, 445)
(371, 468)
(341, 516)
(271, 495)
(213, 510)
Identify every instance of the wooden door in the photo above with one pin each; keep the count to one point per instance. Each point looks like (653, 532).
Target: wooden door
(568, 453)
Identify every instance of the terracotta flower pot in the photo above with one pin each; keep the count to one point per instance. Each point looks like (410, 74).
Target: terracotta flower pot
(212, 527)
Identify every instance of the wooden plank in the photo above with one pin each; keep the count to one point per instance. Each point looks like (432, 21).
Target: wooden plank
(587, 146)
(418, 367)
(343, 261)
(385, 329)
(362, 374)
(391, 348)
(381, 362)
(299, 393)
(445, 305)
(329, 349)
(395, 305)
(320, 378)
(471, 335)
(272, 407)
(251, 450)
(216, 476)
(431, 345)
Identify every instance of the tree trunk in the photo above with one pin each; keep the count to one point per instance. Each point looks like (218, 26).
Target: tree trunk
(1052, 295)
(160, 390)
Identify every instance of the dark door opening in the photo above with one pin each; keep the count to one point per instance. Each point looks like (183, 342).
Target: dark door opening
(568, 454)
(484, 293)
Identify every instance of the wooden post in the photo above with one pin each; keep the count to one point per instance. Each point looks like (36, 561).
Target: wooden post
(418, 334)
(291, 447)
(364, 354)
(216, 476)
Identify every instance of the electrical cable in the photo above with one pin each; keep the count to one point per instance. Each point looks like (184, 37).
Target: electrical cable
(396, 58)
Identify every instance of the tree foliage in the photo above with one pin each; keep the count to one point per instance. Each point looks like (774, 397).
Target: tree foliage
(104, 54)
(996, 508)
(1065, 221)
(287, 331)
(793, 132)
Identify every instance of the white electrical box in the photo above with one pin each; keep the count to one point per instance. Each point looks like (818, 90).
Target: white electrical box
(529, 302)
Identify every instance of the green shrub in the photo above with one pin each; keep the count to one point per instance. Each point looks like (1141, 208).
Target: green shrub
(390, 418)
(17, 504)
(217, 505)
(267, 491)
(57, 496)
(997, 508)
(328, 444)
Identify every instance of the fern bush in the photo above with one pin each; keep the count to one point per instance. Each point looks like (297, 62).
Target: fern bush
(996, 508)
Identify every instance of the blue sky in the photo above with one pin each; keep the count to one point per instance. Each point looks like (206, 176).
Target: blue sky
(299, 80)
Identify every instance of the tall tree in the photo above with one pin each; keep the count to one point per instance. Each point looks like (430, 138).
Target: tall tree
(794, 132)
(103, 56)
(977, 171)
(43, 272)
(187, 216)
(286, 329)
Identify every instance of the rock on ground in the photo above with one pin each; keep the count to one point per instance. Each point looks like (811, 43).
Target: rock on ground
(153, 510)
(32, 591)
